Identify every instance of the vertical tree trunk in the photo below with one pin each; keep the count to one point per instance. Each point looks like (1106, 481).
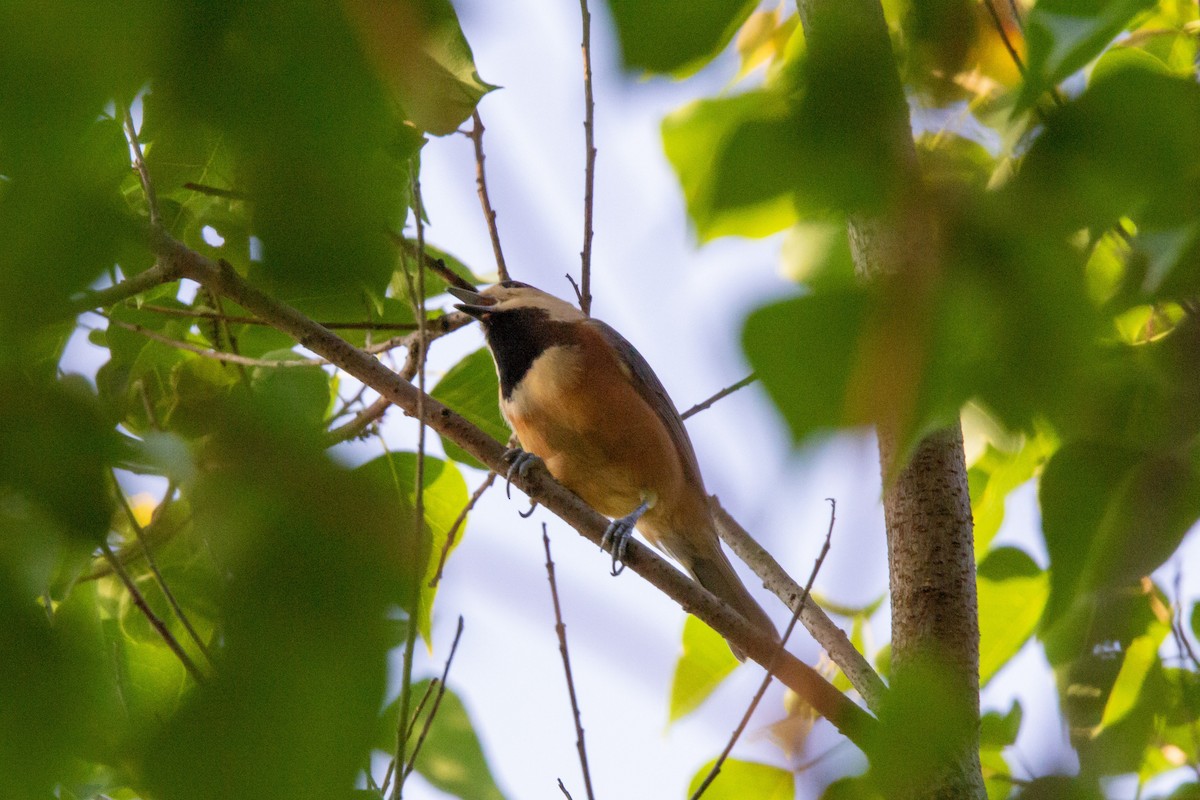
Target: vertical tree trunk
(926, 504)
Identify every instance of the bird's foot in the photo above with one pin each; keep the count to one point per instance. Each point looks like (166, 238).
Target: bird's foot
(618, 533)
(519, 463)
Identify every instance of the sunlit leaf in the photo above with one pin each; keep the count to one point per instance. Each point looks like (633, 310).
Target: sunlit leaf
(1012, 595)
(704, 663)
(741, 779)
(995, 475)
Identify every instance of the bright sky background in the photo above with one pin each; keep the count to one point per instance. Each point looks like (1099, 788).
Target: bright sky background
(682, 306)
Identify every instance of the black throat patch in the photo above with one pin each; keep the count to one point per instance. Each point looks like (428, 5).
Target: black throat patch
(516, 338)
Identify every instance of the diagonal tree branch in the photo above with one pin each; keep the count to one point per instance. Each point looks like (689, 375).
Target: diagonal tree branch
(855, 723)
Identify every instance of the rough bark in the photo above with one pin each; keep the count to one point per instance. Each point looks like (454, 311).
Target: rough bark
(927, 508)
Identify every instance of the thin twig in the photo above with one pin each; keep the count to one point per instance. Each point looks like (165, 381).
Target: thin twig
(157, 275)
(437, 699)
(766, 681)
(589, 170)
(139, 163)
(563, 789)
(1000, 29)
(151, 617)
(434, 265)
(458, 522)
(361, 421)
(489, 213)
(728, 390)
(417, 293)
(229, 194)
(561, 629)
(1184, 647)
(207, 352)
(430, 689)
(842, 652)
(200, 313)
(140, 533)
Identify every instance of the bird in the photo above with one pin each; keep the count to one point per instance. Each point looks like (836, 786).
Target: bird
(584, 403)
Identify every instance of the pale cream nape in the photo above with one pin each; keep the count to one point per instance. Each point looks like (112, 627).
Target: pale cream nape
(557, 310)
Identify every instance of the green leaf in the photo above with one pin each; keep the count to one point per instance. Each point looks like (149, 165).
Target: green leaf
(993, 477)
(445, 496)
(1012, 596)
(314, 569)
(1000, 730)
(1095, 162)
(419, 49)
(302, 393)
(55, 451)
(1111, 515)
(451, 758)
(471, 388)
(676, 37)
(1064, 35)
(705, 662)
(742, 779)
(1139, 658)
(736, 160)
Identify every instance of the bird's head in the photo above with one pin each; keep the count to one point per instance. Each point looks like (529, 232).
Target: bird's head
(513, 299)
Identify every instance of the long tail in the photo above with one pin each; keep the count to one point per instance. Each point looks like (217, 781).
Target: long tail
(714, 572)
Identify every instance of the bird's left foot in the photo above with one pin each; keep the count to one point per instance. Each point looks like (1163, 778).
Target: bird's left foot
(519, 463)
(618, 533)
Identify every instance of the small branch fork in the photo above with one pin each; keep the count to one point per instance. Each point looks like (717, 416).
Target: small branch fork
(561, 629)
(766, 681)
(728, 390)
(589, 172)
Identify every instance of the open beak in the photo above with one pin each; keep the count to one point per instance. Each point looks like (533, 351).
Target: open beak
(473, 303)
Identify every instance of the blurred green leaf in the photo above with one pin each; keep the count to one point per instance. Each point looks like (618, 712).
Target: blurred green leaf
(1012, 596)
(1140, 657)
(1095, 162)
(736, 158)
(315, 569)
(451, 757)
(1111, 515)
(705, 662)
(676, 37)
(1000, 730)
(318, 151)
(302, 393)
(471, 388)
(419, 49)
(445, 496)
(55, 451)
(741, 779)
(1064, 35)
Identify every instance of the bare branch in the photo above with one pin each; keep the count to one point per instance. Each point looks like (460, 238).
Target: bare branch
(139, 163)
(728, 390)
(852, 663)
(229, 194)
(489, 214)
(845, 715)
(766, 681)
(200, 313)
(151, 617)
(437, 699)
(561, 630)
(361, 421)
(589, 170)
(140, 533)
(206, 352)
(144, 281)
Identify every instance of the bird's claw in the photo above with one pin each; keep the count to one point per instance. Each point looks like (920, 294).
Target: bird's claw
(618, 532)
(527, 513)
(519, 463)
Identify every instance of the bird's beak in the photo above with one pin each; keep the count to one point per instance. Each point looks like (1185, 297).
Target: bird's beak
(473, 303)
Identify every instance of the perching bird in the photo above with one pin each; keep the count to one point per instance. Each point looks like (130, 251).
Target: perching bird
(584, 401)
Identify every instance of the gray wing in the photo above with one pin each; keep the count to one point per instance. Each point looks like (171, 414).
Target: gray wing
(652, 391)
